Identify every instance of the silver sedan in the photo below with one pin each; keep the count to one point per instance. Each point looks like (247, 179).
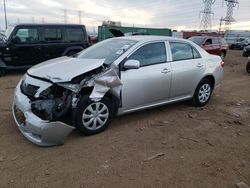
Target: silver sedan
(113, 77)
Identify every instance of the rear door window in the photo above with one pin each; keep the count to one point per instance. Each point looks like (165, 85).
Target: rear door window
(75, 35)
(183, 51)
(52, 34)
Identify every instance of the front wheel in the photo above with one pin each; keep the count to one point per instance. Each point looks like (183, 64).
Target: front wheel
(93, 117)
(202, 93)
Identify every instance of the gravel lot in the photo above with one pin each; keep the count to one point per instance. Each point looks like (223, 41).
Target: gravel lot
(173, 146)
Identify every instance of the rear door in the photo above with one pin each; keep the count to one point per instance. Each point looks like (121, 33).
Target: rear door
(26, 50)
(187, 69)
(150, 84)
(75, 37)
(53, 44)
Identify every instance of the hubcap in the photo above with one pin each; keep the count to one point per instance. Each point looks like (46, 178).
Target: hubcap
(95, 116)
(204, 93)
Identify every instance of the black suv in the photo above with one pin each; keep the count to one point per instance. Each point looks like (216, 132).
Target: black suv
(25, 45)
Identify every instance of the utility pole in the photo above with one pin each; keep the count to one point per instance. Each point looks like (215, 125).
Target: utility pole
(33, 20)
(43, 20)
(229, 16)
(65, 16)
(5, 14)
(80, 16)
(221, 19)
(206, 17)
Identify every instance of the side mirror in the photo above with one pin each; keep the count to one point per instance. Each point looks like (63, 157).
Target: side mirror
(132, 64)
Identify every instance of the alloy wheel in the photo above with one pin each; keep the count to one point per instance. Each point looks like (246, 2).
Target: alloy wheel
(95, 116)
(204, 93)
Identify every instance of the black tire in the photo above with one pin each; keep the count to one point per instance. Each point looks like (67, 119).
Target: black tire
(196, 101)
(81, 108)
(223, 55)
(248, 67)
(2, 72)
(71, 53)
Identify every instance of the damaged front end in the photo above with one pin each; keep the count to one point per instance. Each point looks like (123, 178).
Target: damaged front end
(42, 109)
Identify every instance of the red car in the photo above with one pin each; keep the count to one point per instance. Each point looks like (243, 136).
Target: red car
(213, 45)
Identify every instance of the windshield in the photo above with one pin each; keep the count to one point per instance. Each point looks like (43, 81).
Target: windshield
(109, 50)
(197, 40)
(8, 32)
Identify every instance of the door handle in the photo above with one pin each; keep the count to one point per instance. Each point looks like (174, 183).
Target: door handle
(199, 65)
(165, 71)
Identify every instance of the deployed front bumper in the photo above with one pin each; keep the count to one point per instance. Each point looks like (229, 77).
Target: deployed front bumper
(38, 131)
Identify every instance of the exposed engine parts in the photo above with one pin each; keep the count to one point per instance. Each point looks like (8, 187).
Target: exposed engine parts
(57, 100)
(53, 109)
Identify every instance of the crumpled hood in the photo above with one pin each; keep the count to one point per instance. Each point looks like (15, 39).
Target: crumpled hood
(64, 69)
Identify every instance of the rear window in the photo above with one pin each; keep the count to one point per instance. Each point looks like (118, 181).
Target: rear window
(75, 35)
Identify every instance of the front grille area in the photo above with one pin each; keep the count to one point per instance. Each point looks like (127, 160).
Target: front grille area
(28, 89)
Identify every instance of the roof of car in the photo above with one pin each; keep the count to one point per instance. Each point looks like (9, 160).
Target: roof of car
(45, 24)
(205, 36)
(148, 38)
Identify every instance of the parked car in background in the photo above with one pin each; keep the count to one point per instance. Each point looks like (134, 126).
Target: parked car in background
(246, 51)
(213, 45)
(240, 44)
(113, 77)
(28, 44)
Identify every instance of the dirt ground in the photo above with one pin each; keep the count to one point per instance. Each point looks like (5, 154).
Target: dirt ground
(174, 146)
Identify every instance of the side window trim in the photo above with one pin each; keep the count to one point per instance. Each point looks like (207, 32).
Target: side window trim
(151, 42)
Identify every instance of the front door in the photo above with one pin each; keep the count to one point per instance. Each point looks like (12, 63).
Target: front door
(25, 48)
(150, 84)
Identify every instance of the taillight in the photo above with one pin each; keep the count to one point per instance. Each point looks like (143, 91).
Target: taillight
(222, 63)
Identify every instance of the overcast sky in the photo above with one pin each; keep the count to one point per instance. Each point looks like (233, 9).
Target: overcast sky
(174, 14)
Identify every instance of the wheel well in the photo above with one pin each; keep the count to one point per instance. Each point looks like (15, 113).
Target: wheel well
(211, 79)
(115, 101)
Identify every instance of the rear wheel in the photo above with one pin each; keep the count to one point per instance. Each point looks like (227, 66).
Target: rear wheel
(223, 55)
(93, 117)
(72, 52)
(202, 93)
(248, 67)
